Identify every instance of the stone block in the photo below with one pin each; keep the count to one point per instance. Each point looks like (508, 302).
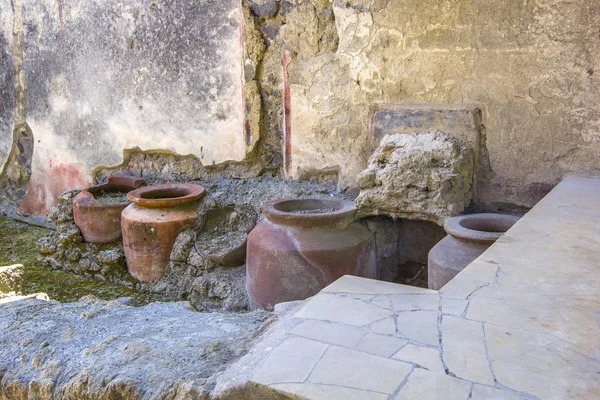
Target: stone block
(423, 384)
(11, 278)
(329, 332)
(419, 326)
(327, 307)
(349, 368)
(291, 362)
(426, 357)
(380, 345)
(464, 350)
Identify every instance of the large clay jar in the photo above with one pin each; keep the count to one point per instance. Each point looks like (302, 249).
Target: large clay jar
(100, 222)
(468, 237)
(151, 224)
(301, 247)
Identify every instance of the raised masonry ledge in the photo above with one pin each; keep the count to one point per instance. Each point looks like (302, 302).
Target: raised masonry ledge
(520, 322)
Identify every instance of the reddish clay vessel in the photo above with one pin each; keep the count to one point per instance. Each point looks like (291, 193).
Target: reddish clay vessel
(468, 237)
(101, 223)
(301, 247)
(151, 224)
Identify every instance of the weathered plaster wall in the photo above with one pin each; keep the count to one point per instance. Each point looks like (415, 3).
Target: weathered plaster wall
(7, 101)
(529, 64)
(103, 77)
(205, 78)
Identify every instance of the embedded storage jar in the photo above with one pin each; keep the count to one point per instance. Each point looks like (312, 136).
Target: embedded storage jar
(151, 224)
(97, 209)
(468, 237)
(301, 247)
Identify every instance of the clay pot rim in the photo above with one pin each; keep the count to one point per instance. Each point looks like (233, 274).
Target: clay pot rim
(467, 227)
(344, 212)
(86, 198)
(182, 193)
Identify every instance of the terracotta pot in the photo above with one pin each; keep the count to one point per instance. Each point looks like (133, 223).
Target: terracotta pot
(101, 223)
(303, 246)
(468, 237)
(151, 225)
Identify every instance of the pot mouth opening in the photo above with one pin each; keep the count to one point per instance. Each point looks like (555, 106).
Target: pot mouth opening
(308, 206)
(167, 195)
(309, 212)
(164, 194)
(485, 227)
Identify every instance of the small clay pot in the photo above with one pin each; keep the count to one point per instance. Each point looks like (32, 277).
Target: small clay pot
(151, 224)
(101, 223)
(301, 247)
(468, 237)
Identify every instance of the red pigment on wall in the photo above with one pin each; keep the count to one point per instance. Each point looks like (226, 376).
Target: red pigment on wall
(45, 187)
(287, 115)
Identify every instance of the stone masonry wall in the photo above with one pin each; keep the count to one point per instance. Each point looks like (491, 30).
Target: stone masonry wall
(529, 65)
(291, 82)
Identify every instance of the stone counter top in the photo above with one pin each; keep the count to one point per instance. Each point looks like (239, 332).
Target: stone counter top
(520, 322)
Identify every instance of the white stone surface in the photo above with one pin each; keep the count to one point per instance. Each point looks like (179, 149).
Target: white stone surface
(464, 350)
(349, 311)
(326, 392)
(420, 326)
(490, 290)
(426, 357)
(384, 346)
(384, 327)
(495, 311)
(425, 385)
(553, 372)
(354, 284)
(460, 288)
(354, 369)
(480, 392)
(505, 343)
(414, 302)
(480, 270)
(330, 332)
(454, 306)
(291, 362)
(383, 301)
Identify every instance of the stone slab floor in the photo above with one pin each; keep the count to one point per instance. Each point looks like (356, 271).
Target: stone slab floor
(521, 322)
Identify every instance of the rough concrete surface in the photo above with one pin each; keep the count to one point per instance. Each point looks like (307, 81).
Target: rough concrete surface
(531, 66)
(98, 349)
(425, 176)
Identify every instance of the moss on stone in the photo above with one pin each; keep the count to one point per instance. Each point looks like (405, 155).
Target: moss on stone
(17, 245)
